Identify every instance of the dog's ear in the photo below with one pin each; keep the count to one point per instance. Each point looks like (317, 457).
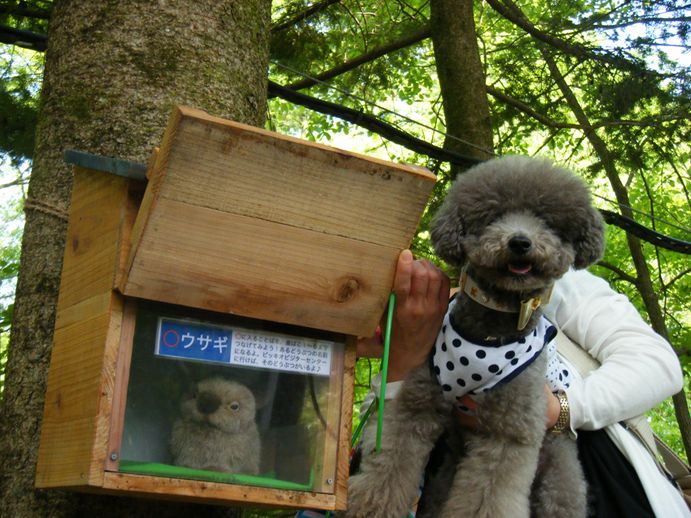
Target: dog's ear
(591, 242)
(447, 229)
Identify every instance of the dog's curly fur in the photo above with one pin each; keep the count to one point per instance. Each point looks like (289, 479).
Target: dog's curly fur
(508, 466)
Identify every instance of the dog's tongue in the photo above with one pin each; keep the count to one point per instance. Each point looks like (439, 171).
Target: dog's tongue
(520, 268)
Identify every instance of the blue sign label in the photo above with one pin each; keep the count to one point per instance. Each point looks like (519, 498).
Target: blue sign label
(193, 341)
(199, 341)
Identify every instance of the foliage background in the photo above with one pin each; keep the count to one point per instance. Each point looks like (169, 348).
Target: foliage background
(625, 62)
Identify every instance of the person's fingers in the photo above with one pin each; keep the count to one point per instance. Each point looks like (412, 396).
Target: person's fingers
(468, 402)
(404, 273)
(370, 347)
(466, 420)
(437, 287)
(420, 280)
(434, 276)
(444, 291)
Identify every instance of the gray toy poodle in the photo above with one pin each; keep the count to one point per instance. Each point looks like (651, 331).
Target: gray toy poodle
(513, 225)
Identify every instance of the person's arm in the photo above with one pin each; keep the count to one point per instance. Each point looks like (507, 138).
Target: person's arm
(422, 296)
(639, 369)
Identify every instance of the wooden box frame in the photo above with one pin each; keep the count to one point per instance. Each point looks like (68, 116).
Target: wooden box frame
(95, 321)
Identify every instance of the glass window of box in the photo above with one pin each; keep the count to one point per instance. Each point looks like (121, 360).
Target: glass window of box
(232, 400)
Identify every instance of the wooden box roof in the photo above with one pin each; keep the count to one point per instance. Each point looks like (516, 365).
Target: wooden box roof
(241, 220)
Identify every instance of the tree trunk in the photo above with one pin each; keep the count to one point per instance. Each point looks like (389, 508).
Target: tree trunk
(113, 72)
(461, 78)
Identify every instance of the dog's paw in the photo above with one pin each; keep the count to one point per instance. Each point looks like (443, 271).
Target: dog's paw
(374, 497)
(361, 497)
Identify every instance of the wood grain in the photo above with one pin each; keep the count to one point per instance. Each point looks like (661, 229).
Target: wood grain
(80, 387)
(211, 492)
(346, 423)
(242, 220)
(200, 257)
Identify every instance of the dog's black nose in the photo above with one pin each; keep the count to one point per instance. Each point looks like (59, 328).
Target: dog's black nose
(520, 245)
(208, 403)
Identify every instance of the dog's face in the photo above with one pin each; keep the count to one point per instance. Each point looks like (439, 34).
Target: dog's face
(519, 222)
(224, 404)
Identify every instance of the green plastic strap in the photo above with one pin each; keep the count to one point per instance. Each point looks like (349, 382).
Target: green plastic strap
(384, 371)
(362, 423)
(382, 390)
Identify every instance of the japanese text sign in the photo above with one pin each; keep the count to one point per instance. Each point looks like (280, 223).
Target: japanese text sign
(200, 341)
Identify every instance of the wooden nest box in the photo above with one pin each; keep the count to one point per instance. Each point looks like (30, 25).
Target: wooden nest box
(205, 330)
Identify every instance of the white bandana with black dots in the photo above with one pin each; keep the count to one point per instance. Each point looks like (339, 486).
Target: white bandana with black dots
(463, 367)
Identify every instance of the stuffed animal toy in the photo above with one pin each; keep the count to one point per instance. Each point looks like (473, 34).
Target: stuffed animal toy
(216, 429)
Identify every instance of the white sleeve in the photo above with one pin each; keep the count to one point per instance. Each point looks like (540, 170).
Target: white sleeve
(392, 388)
(639, 369)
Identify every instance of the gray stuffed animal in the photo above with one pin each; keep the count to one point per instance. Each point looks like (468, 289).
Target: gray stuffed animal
(216, 429)
(514, 225)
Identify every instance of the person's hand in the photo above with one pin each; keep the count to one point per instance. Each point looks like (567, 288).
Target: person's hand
(551, 415)
(422, 297)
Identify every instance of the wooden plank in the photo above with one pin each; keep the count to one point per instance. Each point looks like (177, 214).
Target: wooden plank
(69, 420)
(112, 389)
(346, 406)
(99, 201)
(274, 227)
(71, 451)
(128, 216)
(243, 170)
(156, 174)
(212, 492)
(63, 458)
(199, 257)
(327, 451)
(120, 384)
(99, 304)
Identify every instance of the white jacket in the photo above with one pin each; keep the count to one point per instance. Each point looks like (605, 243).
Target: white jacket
(639, 370)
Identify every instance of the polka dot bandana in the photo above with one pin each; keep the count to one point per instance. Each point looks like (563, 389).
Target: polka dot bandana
(463, 367)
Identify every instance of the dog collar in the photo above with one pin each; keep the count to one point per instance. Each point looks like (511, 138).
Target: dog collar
(525, 310)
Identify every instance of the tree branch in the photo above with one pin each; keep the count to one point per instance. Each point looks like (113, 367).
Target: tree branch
(619, 272)
(351, 64)
(310, 11)
(525, 108)
(628, 23)
(378, 126)
(25, 39)
(18, 11)
(512, 13)
(18, 181)
(371, 123)
(674, 279)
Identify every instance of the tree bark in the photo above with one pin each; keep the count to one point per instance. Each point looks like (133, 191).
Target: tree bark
(114, 70)
(461, 78)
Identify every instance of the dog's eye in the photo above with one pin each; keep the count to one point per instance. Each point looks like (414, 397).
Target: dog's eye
(235, 405)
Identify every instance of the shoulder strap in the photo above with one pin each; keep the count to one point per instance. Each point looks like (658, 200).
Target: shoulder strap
(672, 464)
(576, 356)
(676, 466)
